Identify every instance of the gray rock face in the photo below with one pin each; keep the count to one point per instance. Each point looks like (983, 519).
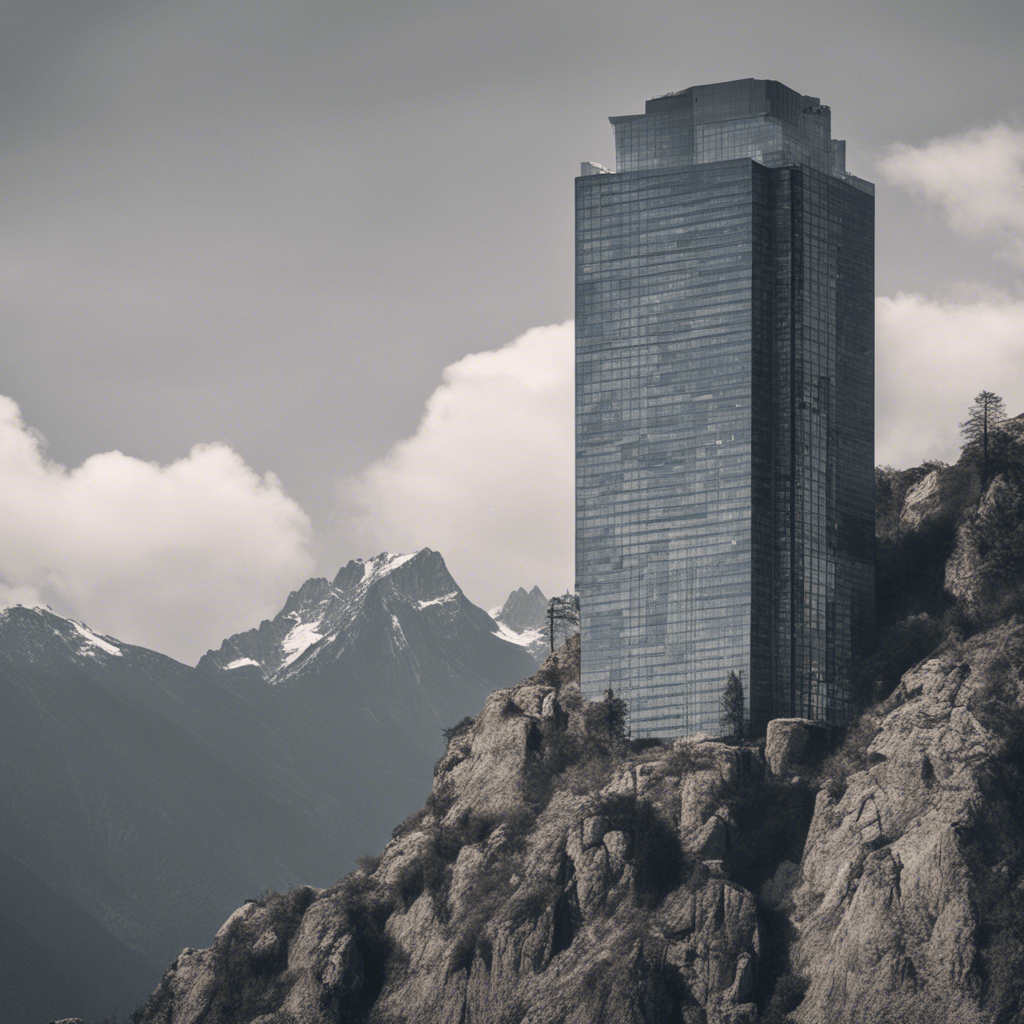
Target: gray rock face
(524, 610)
(792, 744)
(557, 876)
(942, 494)
(984, 573)
(545, 881)
(886, 907)
(523, 619)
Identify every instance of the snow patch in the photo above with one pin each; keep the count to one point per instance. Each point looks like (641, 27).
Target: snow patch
(399, 632)
(92, 640)
(524, 639)
(383, 564)
(239, 662)
(439, 600)
(302, 636)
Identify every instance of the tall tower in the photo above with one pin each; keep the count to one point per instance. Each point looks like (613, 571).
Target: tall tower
(725, 411)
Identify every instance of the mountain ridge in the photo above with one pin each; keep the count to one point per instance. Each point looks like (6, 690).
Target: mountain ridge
(151, 796)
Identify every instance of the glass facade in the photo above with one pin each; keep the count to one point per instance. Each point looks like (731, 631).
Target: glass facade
(724, 411)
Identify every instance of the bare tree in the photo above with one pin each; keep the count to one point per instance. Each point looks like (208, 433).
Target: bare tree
(732, 707)
(977, 430)
(563, 617)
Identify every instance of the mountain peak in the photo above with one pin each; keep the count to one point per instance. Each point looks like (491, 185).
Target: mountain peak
(322, 620)
(360, 571)
(36, 627)
(524, 609)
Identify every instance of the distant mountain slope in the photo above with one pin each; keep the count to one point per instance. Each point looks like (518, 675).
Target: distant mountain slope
(136, 794)
(153, 797)
(391, 643)
(522, 610)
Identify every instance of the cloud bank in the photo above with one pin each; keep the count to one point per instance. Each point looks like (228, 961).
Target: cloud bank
(935, 354)
(488, 477)
(178, 556)
(173, 557)
(976, 177)
(932, 356)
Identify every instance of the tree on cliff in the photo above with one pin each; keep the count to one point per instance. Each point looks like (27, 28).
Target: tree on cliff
(977, 430)
(732, 707)
(616, 710)
(563, 617)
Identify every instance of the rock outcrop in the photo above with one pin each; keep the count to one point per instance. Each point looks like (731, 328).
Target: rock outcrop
(554, 875)
(893, 905)
(557, 875)
(793, 744)
(984, 573)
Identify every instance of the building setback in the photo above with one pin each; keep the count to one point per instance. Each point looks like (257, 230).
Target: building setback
(725, 411)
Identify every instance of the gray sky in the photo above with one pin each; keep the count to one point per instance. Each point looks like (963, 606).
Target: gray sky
(270, 227)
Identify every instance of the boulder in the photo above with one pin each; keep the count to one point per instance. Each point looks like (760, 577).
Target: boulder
(793, 743)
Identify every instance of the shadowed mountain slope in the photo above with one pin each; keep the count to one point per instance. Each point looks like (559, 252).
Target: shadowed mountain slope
(149, 798)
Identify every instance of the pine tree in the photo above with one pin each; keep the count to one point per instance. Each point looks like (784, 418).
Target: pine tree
(977, 430)
(617, 711)
(732, 707)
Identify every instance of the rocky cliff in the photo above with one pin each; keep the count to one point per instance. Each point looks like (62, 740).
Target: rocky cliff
(560, 874)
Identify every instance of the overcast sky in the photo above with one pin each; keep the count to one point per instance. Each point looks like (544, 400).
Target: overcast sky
(286, 284)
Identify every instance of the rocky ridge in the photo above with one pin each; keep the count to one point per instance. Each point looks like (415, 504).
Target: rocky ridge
(559, 874)
(322, 620)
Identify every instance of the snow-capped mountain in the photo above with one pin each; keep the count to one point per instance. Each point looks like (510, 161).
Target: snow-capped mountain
(39, 634)
(521, 620)
(143, 799)
(391, 648)
(324, 622)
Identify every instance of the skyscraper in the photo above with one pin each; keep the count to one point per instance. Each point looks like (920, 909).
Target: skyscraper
(725, 411)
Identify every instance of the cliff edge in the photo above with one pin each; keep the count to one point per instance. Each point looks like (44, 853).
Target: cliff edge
(559, 874)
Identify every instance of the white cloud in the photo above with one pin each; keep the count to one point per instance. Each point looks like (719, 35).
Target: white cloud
(932, 357)
(488, 477)
(172, 557)
(977, 177)
(934, 354)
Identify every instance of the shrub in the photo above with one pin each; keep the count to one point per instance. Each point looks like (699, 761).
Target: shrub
(638, 746)
(898, 648)
(518, 825)
(787, 995)
(441, 798)
(490, 894)
(368, 862)
(365, 908)
(459, 729)
(657, 856)
(550, 754)
(687, 757)
(410, 824)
